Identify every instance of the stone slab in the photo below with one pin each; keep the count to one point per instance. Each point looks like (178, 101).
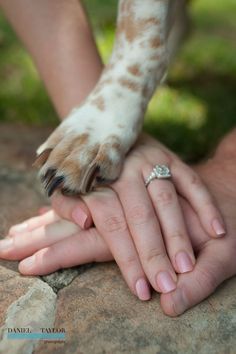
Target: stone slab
(26, 302)
(12, 286)
(100, 315)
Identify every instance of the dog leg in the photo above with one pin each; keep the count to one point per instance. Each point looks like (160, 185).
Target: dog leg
(90, 145)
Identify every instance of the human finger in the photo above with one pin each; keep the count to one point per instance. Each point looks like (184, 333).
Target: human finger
(22, 245)
(33, 223)
(72, 209)
(189, 184)
(212, 268)
(146, 233)
(81, 248)
(110, 222)
(177, 241)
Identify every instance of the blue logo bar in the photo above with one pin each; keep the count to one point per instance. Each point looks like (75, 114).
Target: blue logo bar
(37, 336)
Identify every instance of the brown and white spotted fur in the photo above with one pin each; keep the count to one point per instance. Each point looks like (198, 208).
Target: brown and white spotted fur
(90, 145)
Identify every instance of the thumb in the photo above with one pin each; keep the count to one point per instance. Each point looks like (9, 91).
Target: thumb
(211, 269)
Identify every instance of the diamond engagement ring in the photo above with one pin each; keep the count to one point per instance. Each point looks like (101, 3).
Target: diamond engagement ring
(159, 172)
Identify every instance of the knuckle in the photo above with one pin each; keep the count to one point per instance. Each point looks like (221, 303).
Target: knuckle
(197, 184)
(178, 235)
(195, 180)
(114, 223)
(129, 262)
(165, 197)
(154, 255)
(139, 214)
(208, 278)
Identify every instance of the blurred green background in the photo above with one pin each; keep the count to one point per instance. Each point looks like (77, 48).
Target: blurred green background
(190, 113)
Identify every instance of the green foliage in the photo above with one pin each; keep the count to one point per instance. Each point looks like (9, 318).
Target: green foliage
(22, 95)
(190, 113)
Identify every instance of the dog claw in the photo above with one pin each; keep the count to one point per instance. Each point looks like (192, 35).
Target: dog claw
(46, 178)
(89, 177)
(53, 184)
(42, 158)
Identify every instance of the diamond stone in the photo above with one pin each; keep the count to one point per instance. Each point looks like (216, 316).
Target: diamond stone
(162, 171)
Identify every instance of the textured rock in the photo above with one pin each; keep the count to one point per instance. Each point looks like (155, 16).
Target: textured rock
(64, 277)
(100, 315)
(12, 286)
(34, 309)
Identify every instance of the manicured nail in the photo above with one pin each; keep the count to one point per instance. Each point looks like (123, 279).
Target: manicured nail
(6, 244)
(165, 282)
(19, 227)
(184, 262)
(218, 227)
(79, 217)
(28, 262)
(142, 289)
(179, 302)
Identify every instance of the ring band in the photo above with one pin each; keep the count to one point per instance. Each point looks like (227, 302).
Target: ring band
(158, 172)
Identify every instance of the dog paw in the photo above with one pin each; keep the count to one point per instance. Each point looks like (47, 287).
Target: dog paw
(77, 157)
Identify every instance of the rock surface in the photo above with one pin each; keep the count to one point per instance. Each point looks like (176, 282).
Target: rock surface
(96, 309)
(34, 309)
(100, 315)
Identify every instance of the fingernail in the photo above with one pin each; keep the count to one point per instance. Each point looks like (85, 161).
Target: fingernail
(79, 217)
(6, 244)
(28, 262)
(184, 262)
(179, 303)
(218, 227)
(165, 282)
(19, 227)
(142, 289)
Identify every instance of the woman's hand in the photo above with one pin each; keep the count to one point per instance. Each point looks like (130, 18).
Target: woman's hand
(133, 233)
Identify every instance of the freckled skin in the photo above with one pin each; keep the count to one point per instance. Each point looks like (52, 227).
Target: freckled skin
(115, 108)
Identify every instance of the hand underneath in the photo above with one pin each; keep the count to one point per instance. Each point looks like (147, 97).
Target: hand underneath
(216, 259)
